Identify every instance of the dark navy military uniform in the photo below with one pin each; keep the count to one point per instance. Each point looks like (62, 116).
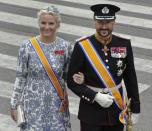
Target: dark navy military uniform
(118, 59)
(89, 110)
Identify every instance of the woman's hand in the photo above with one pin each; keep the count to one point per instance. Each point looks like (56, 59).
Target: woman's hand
(78, 78)
(14, 114)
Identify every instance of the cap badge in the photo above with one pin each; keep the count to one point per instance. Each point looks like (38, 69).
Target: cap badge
(105, 10)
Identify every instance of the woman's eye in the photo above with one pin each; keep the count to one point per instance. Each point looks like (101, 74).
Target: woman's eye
(51, 23)
(43, 23)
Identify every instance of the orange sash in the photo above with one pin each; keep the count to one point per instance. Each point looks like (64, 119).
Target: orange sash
(103, 74)
(50, 73)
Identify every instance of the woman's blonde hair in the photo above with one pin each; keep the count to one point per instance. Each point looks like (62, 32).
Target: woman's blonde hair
(51, 10)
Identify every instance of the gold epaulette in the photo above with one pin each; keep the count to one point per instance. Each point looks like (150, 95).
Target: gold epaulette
(123, 37)
(81, 38)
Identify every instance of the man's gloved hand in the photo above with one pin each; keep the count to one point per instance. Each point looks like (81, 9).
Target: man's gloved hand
(134, 118)
(104, 100)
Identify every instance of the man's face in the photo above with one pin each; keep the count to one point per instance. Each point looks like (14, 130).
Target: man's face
(104, 27)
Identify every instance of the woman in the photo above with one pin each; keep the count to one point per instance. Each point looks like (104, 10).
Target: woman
(41, 101)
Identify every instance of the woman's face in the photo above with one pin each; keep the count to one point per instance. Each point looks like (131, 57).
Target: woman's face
(48, 25)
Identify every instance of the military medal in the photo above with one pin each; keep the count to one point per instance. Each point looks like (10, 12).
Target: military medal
(118, 52)
(104, 41)
(120, 71)
(105, 49)
(59, 52)
(119, 63)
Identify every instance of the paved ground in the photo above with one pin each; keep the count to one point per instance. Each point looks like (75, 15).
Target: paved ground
(18, 22)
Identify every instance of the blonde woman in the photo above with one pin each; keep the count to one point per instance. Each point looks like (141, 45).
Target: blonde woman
(40, 99)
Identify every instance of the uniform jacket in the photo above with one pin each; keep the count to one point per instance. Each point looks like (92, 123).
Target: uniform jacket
(121, 67)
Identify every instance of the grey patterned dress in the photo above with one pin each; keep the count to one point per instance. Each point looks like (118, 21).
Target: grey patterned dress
(40, 100)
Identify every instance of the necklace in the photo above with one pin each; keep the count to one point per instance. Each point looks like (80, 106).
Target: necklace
(104, 42)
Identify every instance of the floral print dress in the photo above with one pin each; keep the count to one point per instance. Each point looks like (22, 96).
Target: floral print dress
(33, 88)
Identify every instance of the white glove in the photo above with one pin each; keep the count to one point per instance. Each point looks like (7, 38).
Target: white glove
(134, 118)
(104, 100)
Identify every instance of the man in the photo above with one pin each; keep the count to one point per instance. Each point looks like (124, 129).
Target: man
(105, 60)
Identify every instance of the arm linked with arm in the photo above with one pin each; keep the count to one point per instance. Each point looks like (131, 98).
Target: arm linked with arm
(77, 65)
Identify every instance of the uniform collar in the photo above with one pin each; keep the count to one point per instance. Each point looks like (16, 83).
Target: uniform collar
(103, 40)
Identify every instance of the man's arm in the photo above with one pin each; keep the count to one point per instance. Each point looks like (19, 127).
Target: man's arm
(77, 64)
(130, 80)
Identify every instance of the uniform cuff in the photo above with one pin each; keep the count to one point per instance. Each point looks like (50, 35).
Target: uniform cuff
(135, 107)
